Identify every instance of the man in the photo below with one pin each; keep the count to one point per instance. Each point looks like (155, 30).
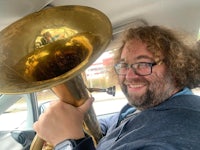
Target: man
(155, 71)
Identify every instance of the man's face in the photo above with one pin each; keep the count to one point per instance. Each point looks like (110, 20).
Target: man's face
(145, 91)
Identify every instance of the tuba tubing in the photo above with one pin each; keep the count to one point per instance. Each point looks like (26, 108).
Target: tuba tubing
(73, 92)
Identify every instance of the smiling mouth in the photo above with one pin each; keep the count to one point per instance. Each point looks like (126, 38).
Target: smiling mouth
(135, 85)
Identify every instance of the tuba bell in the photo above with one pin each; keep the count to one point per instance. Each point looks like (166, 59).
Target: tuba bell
(50, 49)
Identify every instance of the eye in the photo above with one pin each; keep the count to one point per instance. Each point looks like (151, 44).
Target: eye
(123, 65)
(143, 65)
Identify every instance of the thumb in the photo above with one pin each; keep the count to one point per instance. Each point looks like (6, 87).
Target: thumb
(86, 106)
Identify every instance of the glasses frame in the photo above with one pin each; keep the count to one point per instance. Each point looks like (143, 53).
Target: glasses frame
(134, 69)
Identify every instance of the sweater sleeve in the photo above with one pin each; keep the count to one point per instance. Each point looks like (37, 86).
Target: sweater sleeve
(85, 143)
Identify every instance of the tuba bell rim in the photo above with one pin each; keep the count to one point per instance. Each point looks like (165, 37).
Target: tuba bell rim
(22, 27)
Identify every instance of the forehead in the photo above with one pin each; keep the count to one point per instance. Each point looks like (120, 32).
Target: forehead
(135, 49)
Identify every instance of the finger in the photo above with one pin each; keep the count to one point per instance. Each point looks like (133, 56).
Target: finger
(86, 106)
(35, 126)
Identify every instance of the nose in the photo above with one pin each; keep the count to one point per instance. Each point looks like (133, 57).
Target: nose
(131, 73)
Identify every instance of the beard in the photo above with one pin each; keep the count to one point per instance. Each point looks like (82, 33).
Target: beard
(156, 92)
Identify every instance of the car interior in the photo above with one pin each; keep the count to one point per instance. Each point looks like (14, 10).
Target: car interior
(20, 23)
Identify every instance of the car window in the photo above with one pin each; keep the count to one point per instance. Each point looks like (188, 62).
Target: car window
(18, 112)
(15, 116)
(101, 75)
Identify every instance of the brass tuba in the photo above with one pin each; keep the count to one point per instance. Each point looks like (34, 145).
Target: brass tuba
(50, 49)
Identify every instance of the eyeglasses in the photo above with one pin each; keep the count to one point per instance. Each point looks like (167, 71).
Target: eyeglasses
(141, 68)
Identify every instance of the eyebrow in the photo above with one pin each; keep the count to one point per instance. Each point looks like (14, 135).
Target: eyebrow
(144, 57)
(139, 57)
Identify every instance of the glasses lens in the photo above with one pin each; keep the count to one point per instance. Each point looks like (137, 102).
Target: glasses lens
(142, 68)
(121, 68)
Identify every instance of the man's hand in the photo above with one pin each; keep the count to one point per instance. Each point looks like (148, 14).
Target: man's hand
(62, 121)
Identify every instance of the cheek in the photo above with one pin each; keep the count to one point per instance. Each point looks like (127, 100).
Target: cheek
(155, 78)
(160, 79)
(160, 71)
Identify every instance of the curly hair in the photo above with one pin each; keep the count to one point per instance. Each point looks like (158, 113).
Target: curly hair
(182, 60)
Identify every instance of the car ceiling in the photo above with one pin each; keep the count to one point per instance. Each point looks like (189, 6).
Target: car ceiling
(179, 14)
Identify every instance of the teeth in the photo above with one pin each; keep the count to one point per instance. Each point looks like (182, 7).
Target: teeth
(136, 85)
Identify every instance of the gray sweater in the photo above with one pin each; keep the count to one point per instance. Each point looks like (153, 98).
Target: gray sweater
(172, 125)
